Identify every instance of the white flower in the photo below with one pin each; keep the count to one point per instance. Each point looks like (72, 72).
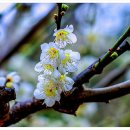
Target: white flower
(70, 62)
(64, 82)
(2, 81)
(65, 36)
(50, 53)
(47, 69)
(47, 89)
(12, 80)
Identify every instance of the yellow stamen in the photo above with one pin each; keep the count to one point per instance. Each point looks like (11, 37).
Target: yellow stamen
(49, 67)
(50, 89)
(62, 78)
(66, 59)
(53, 53)
(61, 35)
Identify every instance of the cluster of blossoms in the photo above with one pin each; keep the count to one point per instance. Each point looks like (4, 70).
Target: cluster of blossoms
(10, 81)
(55, 63)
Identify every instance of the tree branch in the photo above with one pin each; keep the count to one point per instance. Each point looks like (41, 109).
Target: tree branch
(68, 104)
(98, 66)
(6, 95)
(104, 94)
(58, 21)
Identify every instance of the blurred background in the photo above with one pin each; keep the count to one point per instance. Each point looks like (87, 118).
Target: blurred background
(24, 26)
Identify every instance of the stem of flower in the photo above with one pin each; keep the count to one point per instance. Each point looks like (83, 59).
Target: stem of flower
(58, 22)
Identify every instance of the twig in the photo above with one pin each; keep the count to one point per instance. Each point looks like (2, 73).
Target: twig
(99, 65)
(58, 21)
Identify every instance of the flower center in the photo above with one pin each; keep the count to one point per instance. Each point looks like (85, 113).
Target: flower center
(66, 59)
(62, 78)
(9, 84)
(9, 79)
(48, 67)
(53, 53)
(50, 89)
(61, 35)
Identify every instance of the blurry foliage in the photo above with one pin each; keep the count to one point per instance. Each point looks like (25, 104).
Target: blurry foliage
(97, 27)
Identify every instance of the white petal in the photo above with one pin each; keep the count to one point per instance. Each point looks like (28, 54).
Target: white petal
(41, 78)
(16, 86)
(42, 56)
(70, 28)
(69, 83)
(38, 94)
(49, 102)
(72, 37)
(75, 56)
(62, 69)
(44, 47)
(52, 44)
(61, 44)
(62, 54)
(56, 73)
(38, 67)
(55, 30)
(71, 67)
(16, 78)
(40, 86)
(57, 97)
(2, 81)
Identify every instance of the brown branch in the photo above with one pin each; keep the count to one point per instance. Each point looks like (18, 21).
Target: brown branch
(104, 94)
(6, 95)
(59, 17)
(70, 103)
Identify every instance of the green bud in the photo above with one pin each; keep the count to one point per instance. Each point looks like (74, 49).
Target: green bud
(114, 55)
(64, 7)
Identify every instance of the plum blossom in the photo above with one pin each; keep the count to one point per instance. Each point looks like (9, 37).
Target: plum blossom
(70, 62)
(65, 36)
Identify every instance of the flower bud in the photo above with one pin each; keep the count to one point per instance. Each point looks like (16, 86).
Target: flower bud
(64, 7)
(114, 55)
(62, 13)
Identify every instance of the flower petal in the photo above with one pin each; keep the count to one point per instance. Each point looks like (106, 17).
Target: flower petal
(49, 102)
(75, 56)
(16, 78)
(44, 47)
(61, 54)
(38, 94)
(69, 83)
(72, 37)
(41, 78)
(38, 67)
(69, 28)
(57, 97)
(2, 81)
(56, 74)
